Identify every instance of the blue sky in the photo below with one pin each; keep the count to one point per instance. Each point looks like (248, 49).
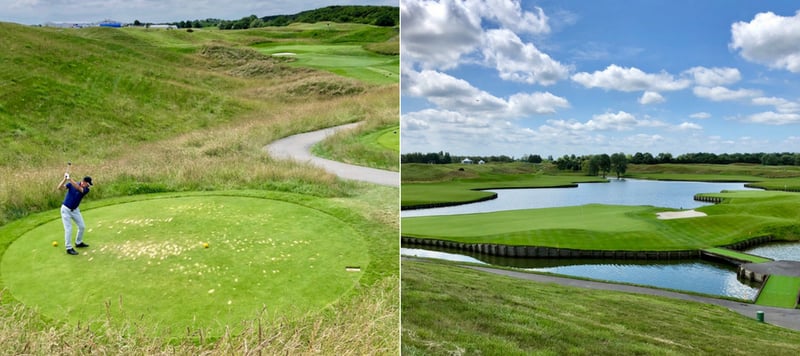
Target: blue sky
(32, 12)
(492, 77)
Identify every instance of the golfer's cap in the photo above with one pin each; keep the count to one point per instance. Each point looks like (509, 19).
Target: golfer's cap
(88, 179)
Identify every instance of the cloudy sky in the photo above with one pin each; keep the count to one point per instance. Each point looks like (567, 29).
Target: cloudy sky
(555, 77)
(32, 12)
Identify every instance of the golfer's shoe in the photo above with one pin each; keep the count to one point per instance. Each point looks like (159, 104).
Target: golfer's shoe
(72, 251)
(82, 245)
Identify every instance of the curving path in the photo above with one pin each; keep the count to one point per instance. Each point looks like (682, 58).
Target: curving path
(787, 318)
(298, 148)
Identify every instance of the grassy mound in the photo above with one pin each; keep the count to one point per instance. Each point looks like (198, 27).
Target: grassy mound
(148, 261)
(451, 310)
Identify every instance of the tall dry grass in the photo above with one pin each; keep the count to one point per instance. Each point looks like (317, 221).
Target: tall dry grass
(230, 156)
(365, 324)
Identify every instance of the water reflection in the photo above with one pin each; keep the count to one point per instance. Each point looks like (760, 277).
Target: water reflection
(786, 251)
(677, 195)
(688, 275)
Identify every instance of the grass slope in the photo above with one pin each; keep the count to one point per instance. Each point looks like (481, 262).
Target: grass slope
(601, 227)
(451, 310)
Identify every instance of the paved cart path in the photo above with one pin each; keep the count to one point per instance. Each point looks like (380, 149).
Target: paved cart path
(788, 318)
(298, 148)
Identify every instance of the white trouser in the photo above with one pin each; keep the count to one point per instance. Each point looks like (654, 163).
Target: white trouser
(66, 216)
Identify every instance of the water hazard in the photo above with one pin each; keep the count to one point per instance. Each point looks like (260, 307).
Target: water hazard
(689, 275)
(677, 195)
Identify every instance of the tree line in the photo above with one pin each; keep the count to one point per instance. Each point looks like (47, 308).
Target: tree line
(385, 16)
(588, 162)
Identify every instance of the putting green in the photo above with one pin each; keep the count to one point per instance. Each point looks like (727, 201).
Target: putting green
(147, 263)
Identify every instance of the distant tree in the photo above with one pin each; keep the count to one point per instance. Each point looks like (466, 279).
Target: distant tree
(385, 21)
(664, 158)
(534, 159)
(619, 163)
(604, 163)
(137, 23)
(591, 166)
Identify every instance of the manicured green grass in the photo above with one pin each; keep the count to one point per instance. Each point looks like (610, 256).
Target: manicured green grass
(362, 146)
(737, 255)
(452, 310)
(349, 60)
(602, 227)
(388, 138)
(424, 184)
(262, 253)
(780, 291)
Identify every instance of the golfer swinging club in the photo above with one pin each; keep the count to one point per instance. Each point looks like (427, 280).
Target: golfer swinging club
(70, 210)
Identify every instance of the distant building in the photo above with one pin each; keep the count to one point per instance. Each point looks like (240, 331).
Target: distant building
(110, 23)
(481, 162)
(466, 161)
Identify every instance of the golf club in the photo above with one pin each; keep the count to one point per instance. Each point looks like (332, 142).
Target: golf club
(69, 164)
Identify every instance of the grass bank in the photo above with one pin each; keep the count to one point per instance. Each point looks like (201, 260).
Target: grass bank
(626, 228)
(374, 145)
(427, 184)
(452, 310)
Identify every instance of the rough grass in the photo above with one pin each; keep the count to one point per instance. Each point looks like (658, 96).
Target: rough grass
(450, 310)
(364, 325)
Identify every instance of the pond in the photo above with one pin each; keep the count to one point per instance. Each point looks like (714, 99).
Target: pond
(688, 275)
(786, 251)
(668, 194)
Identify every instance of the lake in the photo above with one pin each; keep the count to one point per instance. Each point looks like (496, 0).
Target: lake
(689, 275)
(667, 194)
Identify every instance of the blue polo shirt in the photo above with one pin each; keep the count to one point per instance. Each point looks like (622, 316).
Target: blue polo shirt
(74, 196)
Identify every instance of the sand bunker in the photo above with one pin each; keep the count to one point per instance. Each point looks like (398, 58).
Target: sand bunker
(680, 214)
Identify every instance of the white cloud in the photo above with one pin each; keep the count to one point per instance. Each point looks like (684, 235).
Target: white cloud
(630, 79)
(719, 93)
(711, 77)
(437, 34)
(651, 97)
(769, 39)
(521, 62)
(620, 121)
(780, 104)
(457, 95)
(700, 115)
(773, 118)
(509, 14)
(688, 126)
(522, 104)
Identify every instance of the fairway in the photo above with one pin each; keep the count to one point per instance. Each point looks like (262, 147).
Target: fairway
(388, 138)
(347, 60)
(147, 261)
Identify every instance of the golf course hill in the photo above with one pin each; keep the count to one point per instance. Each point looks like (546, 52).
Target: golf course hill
(199, 241)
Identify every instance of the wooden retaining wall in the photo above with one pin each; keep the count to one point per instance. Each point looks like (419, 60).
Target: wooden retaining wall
(707, 199)
(550, 252)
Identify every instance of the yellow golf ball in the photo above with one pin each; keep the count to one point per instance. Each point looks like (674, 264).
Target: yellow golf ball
(205, 244)
(55, 243)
